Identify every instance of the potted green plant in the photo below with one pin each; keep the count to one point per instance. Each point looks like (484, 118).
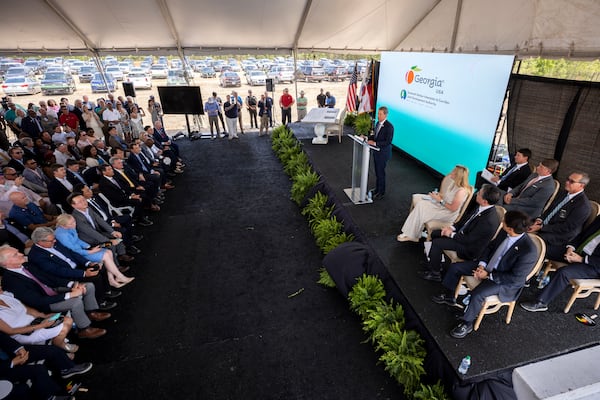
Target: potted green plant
(363, 124)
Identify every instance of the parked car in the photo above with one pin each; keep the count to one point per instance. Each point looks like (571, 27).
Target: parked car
(229, 78)
(335, 73)
(18, 71)
(75, 66)
(256, 78)
(58, 82)
(34, 65)
(17, 85)
(98, 84)
(310, 74)
(87, 73)
(175, 77)
(140, 80)
(208, 72)
(125, 67)
(159, 71)
(281, 73)
(116, 72)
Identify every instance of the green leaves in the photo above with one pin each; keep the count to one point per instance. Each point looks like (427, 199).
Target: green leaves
(363, 124)
(303, 182)
(325, 279)
(366, 295)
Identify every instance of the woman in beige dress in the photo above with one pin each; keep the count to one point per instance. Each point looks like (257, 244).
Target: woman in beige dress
(93, 121)
(444, 205)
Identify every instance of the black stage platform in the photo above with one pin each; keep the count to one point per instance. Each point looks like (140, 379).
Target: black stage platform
(496, 348)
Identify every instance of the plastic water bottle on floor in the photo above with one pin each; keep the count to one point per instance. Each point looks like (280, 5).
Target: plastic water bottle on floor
(464, 365)
(467, 300)
(544, 282)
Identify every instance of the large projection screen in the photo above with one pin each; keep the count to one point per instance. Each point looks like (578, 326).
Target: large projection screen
(444, 107)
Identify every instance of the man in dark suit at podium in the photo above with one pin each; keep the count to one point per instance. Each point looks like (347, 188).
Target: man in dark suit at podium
(382, 138)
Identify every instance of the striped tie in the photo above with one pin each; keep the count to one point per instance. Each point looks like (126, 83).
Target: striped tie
(555, 210)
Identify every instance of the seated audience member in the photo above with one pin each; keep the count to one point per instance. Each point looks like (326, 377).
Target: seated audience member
(95, 224)
(32, 379)
(564, 218)
(11, 235)
(92, 159)
(29, 150)
(532, 195)
(122, 223)
(73, 174)
(162, 139)
(34, 174)
(53, 258)
(146, 190)
(444, 205)
(28, 288)
(470, 235)
(514, 175)
(27, 215)
(119, 196)
(59, 188)
(502, 268)
(583, 256)
(16, 159)
(18, 321)
(145, 168)
(66, 234)
(103, 151)
(61, 154)
(85, 139)
(114, 140)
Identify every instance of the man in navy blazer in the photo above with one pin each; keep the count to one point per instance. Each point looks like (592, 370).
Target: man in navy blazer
(532, 195)
(517, 173)
(564, 218)
(382, 138)
(502, 269)
(583, 256)
(470, 235)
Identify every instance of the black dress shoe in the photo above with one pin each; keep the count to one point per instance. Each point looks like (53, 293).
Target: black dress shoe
(107, 305)
(430, 276)
(145, 222)
(378, 196)
(136, 238)
(462, 330)
(447, 300)
(132, 250)
(112, 294)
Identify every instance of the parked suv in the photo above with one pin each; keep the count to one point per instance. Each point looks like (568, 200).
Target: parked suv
(58, 83)
(281, 73)
(310, 74)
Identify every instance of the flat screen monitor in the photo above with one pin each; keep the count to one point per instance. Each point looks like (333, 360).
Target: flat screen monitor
(181, 100)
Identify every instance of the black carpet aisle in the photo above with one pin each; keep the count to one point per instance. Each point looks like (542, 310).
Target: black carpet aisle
(209, 316)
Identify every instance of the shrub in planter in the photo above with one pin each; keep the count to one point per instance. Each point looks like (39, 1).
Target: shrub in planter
(382, 319)
(363, 124)
(325, 279)
(295, 163)
(431, 392)
(366, 295)
(349, 120)
(336, 240)
(325, 229)
(276, 132)
(304, 180)
(316, 209)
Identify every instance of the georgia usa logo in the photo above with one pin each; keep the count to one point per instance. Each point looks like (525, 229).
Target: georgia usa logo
(412, 75)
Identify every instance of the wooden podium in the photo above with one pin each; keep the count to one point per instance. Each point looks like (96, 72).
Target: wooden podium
(360, 170)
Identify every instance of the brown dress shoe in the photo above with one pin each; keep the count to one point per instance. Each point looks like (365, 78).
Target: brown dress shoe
(98, 315)
(126, 258)
(91, 333)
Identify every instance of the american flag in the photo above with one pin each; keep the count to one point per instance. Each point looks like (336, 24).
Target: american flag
(351, 99)
(366, 92)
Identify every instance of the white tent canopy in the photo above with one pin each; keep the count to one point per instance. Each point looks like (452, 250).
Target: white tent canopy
(551, 28)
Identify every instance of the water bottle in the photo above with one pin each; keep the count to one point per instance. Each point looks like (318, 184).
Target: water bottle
(467, 300)
(434, 191)
(464, 365)
(544, 282)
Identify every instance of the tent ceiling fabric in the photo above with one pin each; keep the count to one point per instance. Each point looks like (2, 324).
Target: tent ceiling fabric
(554, 28)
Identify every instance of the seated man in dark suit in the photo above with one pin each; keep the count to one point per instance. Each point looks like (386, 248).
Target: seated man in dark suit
(129, 179)
(145, 167)
(120, 196)
(583, 256)
(16, 159)
(471, 235)
(512, 176)
(503, 268)
(54, 259)
(80, 299)
(22, 367)
(532, 195)
(59, 188)
(564, 218)
(73, 174)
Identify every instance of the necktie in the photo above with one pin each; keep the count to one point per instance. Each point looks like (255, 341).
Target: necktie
(142, 162)
(39, 126)
(80, 178)
(126, 178)
(378, 129)
(498, 254)
(49, 291)
(530, 183)
(89, 218)
(98, 209)
(471, 218)
(555, 210)
(510, 171)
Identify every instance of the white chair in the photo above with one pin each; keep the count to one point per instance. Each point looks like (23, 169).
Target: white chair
(337, 129)
(116, 210)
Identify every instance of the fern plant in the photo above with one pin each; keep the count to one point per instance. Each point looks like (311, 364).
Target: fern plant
(363, 124)
(276, 132)
(303, 182)
(383, 318)
(317, 209)
(366, 295)
(325, 279)
(295, 163)
(286, 153)
(336, 240)
(325, 229)
(349, 120)
(431, 392)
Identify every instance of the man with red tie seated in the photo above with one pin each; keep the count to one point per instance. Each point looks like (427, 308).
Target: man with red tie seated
(564, 218)
(583, 256)
(502, 269)
(79, 299)
(470, 236)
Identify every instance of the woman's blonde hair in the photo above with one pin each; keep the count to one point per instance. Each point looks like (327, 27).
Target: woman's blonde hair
(462, 176)
(63, 219)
